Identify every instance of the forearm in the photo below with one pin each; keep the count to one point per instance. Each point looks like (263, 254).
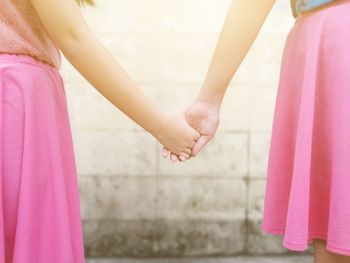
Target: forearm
(96, 64)
(241, 27)
(66, 25)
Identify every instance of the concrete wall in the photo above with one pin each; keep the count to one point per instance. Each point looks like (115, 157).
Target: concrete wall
(134, 202)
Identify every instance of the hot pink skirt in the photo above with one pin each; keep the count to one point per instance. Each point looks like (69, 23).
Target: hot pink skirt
(39, 198)
(308, 176)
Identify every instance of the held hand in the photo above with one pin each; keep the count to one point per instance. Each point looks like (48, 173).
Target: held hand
(177, 135)
(203, 117)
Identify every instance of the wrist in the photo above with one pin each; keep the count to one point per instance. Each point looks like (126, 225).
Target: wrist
(157, 127)
(214, 98)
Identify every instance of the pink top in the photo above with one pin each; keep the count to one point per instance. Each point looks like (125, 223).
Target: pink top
(22, 32)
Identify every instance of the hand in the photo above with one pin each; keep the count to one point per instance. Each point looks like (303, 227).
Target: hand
(203, 117)
(176, 134)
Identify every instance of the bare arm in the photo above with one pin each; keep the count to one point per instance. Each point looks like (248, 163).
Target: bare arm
(242, 25)
(66, 25)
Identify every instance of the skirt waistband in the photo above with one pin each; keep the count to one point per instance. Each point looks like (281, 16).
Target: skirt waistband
(25, 59)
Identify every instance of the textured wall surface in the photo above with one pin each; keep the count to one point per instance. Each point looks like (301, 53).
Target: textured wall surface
(134, 202)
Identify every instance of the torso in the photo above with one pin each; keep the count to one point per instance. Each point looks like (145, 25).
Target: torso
(21, 32)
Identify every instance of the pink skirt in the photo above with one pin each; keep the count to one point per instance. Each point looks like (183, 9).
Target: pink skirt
(308, 177)
(39, 198)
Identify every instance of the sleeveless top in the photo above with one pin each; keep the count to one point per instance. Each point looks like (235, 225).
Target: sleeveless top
(22, 33)
(302, 6)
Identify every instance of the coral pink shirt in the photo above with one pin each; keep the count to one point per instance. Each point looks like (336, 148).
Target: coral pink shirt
(22, 32)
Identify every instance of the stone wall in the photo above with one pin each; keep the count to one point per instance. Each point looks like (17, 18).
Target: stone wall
(133, 202)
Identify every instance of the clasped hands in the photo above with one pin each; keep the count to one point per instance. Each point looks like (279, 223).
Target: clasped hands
(196, 126)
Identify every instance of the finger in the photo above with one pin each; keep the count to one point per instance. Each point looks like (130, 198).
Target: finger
(185, 155)
(173, 158)
(188, 150)
(182, 158)
(165, 152)
(202, 141)
(190, 143)
(196, 135)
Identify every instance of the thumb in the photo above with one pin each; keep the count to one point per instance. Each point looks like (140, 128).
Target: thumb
(198, 146)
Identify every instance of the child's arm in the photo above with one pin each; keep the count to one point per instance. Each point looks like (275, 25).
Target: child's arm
(66, 25)
(242, 25)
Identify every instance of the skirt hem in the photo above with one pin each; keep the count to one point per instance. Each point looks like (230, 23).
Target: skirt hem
(303, 247)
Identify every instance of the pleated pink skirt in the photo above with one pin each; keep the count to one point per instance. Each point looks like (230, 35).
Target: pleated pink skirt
(308, 178)
(39, 198)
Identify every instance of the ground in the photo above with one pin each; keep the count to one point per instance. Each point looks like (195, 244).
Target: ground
(287, 259)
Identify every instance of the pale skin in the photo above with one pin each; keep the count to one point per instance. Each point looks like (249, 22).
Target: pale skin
(242, 25)
(66, 26)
